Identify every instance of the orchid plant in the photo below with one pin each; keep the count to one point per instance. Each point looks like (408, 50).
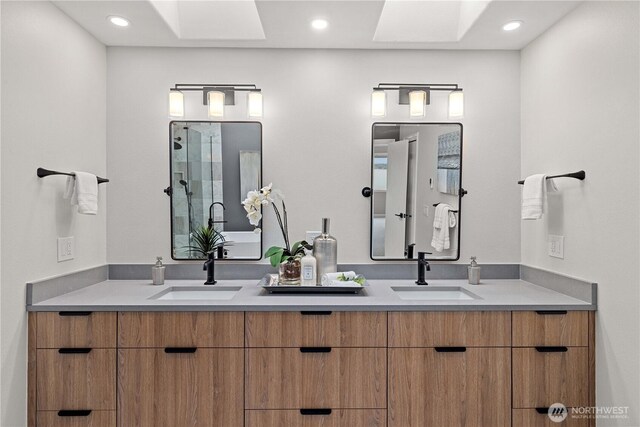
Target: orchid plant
(253, 204)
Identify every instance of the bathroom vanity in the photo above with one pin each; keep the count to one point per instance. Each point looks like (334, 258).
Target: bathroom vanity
(113, 354)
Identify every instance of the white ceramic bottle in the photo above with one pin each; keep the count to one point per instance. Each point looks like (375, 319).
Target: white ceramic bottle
(308, 266)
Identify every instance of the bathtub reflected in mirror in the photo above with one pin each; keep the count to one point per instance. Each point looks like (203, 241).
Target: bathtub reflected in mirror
(213, 166)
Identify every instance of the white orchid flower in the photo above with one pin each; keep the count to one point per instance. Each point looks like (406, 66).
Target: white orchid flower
(254, 217)
(257, 230)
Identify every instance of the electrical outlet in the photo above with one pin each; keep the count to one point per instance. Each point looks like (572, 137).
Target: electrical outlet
(312, 235)
(556, 246)
(66, 248)
(425, 210)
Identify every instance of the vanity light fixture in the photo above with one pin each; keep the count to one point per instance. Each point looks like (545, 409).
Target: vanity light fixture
(215, 104)
(118, 21)
(215, 97)
(176, 103)
(254, 104)
(378, 103)
(417, 103)
(417, 96)
(456, 104)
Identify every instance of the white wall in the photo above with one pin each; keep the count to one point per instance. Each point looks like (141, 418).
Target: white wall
(53, 115)
(317, 119)
(580, 111)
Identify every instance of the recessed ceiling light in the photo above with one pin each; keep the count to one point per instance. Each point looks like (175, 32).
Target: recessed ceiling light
(319, 24)
(513, 25)
(118, 21)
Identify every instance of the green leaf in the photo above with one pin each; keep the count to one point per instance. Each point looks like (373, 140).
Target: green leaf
(275, 259)
(272, 251)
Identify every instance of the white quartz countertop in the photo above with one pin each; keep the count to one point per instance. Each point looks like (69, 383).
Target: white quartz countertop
(378, 295)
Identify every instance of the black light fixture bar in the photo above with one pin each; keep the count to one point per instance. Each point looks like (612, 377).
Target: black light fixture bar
(427, 86)
(210, 86)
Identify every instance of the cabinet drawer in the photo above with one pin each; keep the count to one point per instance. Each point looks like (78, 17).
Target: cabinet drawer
(293, 378)
(468, 387)
(323, 328)
(93, 419)
(533, 418)
(432, 329)
(337, 418)
(76, 380)
(76, 329)
(201, 388)
(545, 375)
(180, 329)
(550, 328)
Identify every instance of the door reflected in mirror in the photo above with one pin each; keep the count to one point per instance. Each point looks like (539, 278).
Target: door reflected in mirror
(213, 166)
(416, 190)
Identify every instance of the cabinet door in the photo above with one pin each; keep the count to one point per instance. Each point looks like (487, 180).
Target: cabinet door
(336, 378)
(543, 376)
(438, 387)
(193, 389)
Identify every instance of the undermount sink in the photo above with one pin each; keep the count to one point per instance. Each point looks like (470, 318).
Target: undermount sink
(434, 293)
(197, 293)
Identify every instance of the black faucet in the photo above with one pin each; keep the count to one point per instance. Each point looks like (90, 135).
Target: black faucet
(209, 266)
(211, 221)
(423, 266)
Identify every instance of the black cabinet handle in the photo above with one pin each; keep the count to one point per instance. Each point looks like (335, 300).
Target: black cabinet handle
(316, 313)
(316, 411)
(74, 413)
(551, 312)
(451, 349)
(74, 313)
(551, 349)
(178, 350)
(315, 349)
(74, 351)
(542, 411)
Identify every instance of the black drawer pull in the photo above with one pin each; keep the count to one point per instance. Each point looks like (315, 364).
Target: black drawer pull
(451, 349)
(551, 312)
(316, 313)
(552, 349)
(74, 351)
(542, 411)
(315, 349)
(178, 350)
(74, 313)
(316, 411)
(74, 413)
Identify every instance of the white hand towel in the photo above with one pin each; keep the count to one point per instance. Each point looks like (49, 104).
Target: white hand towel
(443, 221)
(82, 190)
(534, 195)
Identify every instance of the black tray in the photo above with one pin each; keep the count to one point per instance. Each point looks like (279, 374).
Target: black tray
(271, 285)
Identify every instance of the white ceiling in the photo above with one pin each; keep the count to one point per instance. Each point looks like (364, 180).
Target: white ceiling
(357, 24)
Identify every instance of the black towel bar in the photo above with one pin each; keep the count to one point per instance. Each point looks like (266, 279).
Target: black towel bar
(42, 172)
(581, 175)
(450, 210)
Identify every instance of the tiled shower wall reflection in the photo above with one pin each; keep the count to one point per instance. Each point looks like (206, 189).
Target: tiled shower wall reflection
(198, 162)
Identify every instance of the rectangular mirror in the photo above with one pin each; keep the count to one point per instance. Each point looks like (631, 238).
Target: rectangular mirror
(213, 166)
(416, 190)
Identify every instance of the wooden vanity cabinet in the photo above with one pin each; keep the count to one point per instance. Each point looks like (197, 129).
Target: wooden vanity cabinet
(309, 369)
(318, 368)
(180, 369)
(449, 369)
(553, 359)
(72, 369)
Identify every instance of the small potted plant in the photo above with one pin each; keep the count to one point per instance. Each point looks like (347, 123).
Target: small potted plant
(205, 240)
(286, 258)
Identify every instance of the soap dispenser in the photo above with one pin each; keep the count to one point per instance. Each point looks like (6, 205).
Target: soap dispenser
(325, 250)
(474, 272)
(157, 272)
(309, 266)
